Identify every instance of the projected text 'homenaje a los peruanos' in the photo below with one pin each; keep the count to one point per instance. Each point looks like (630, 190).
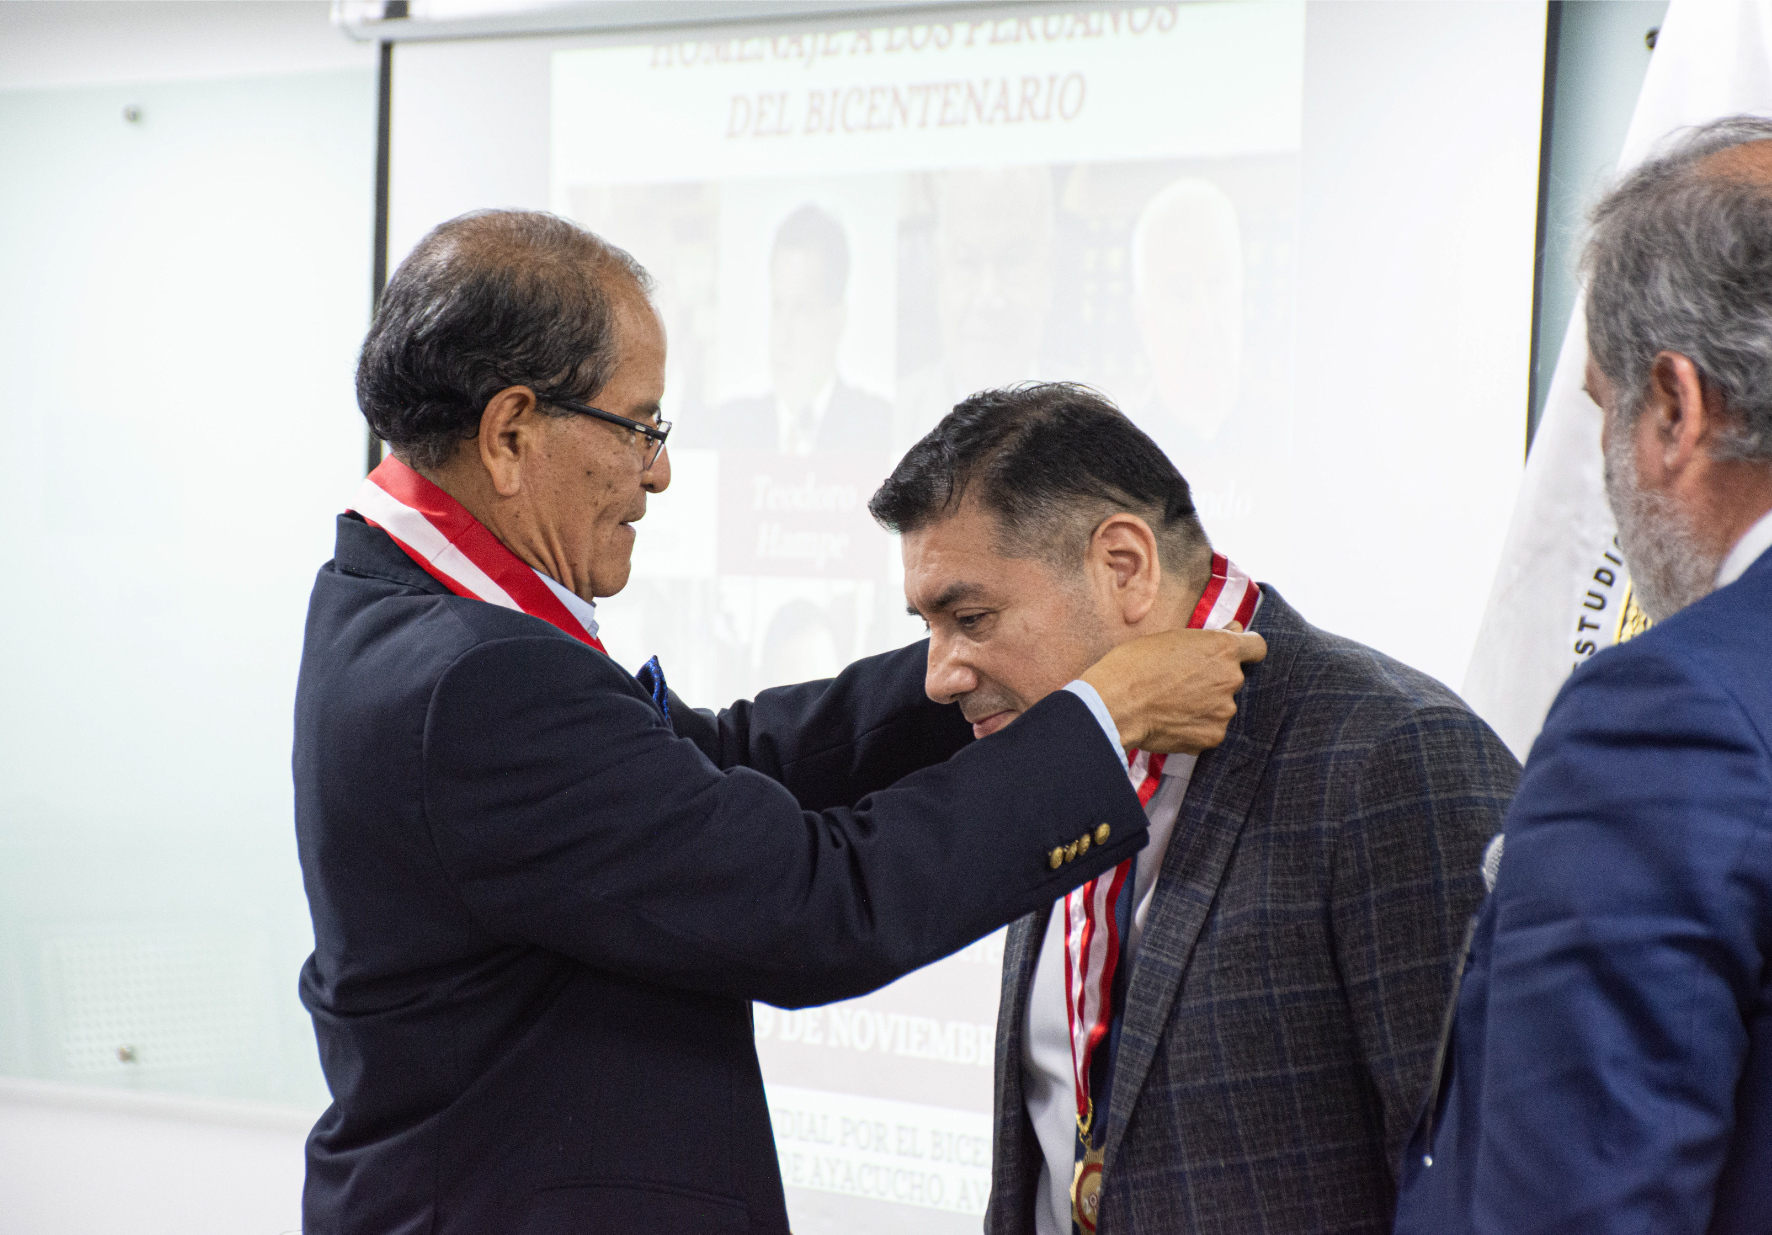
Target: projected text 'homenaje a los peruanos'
(927, 103)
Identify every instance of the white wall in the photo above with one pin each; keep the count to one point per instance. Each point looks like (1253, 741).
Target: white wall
(184, 295)
(88, 42)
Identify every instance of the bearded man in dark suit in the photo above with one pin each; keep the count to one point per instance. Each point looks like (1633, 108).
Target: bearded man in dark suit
(1610, 1061)
(545, 892)
(1233, 1030)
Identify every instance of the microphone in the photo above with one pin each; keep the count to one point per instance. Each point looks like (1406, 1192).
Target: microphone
(1492, 861)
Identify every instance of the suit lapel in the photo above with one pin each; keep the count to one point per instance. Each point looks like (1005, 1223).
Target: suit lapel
(1021, 952)
(1012, 1187)
(1212, 815)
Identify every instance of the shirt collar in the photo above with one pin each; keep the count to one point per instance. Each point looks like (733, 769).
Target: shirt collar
(1755, 541)
(787, 422)
(585, 611)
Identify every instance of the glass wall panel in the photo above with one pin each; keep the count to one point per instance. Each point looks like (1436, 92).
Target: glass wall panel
(186, 279)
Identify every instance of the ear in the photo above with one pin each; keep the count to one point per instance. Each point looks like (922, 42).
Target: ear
(1677, 422)
(1123, 559)
(508, 436)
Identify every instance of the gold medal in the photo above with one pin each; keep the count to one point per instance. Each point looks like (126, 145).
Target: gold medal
(1091, 918)
(1086, 1191)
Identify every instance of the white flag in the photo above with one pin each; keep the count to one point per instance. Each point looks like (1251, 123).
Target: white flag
(1561, 592)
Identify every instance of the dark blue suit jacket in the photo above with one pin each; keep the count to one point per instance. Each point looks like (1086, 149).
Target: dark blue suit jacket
(1610, 1065)
(540, 910)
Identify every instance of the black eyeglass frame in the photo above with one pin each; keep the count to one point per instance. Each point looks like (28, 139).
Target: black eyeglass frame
(652, 433)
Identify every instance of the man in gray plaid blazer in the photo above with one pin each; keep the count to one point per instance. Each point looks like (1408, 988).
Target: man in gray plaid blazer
(1290, 933)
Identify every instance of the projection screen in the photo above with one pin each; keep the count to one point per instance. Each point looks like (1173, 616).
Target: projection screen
(1294, 245)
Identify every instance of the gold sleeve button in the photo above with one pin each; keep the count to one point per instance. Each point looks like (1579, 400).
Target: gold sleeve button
(1055, 859)
(1101, 834)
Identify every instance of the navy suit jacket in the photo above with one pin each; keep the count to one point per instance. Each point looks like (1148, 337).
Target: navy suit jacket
(541, 910)
(1610, 1064)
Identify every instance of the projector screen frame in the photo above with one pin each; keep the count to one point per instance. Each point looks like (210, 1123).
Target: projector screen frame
(378, 260)
(393, 22)
(388, 23)
(1419, 264)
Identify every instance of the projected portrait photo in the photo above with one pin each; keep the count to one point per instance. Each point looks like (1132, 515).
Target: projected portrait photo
(1173, 285)
(1187, 298)
(761, 565)
(1210, 287)
(673, 230)
(809, 406)
(975, 287)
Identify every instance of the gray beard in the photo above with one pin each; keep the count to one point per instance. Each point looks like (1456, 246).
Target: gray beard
(1668, 565)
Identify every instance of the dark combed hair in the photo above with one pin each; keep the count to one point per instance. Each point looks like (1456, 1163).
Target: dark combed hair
(492, 299)
(1051, 460)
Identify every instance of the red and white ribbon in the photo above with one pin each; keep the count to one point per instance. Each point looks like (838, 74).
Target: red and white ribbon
(456, 549)
(1230, 596)
(1091, 923)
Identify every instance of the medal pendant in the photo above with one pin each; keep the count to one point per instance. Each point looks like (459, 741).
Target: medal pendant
(1086, 1191)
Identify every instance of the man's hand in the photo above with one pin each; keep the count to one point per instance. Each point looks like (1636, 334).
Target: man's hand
(1173, 691)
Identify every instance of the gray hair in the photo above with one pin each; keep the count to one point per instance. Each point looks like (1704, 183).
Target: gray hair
(1680, 260)
(488, 300)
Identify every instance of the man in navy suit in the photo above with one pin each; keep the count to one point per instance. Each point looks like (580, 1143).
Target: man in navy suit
(1610, 1064)
(544, 893)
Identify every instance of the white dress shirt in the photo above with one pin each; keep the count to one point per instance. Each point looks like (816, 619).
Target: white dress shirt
(1092, 698)
(584, 610)
(1046, 1040)
(1755, 541)
(1046, 1077)
(797, 430)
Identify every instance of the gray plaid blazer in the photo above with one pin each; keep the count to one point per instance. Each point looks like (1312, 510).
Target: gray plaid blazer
(1290, 988)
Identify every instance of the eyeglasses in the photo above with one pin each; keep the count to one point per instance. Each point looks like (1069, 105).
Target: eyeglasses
(654, 435)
